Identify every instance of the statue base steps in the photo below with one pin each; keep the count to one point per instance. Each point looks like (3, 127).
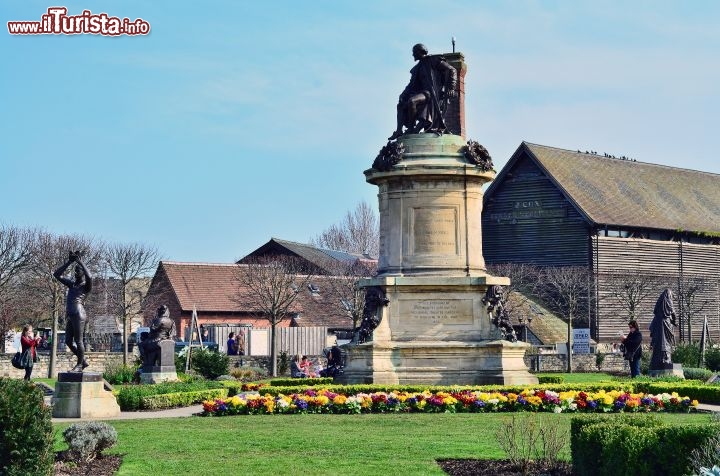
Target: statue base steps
(82, 395)
(675, 370)
(437, 363)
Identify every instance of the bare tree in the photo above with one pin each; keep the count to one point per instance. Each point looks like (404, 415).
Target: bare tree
(358, 232)
(49, 252)
(345, 288)
(268, 287)
(566, 290)
(15, 258)
(630, 290)
(523, 280)
(693, 301)
(128, 263)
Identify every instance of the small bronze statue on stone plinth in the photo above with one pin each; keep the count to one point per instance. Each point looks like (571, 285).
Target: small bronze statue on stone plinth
(75, 315)
(423, 103)
(158, 349)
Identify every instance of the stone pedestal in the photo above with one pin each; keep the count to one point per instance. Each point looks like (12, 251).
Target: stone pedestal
(161, 363)
(435, 329)
(82, 395)
(664, 370)
(159, 374)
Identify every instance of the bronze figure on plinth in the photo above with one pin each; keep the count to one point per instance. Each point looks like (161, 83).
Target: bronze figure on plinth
(662, 335)
(423, 103)
(75, 315)
(161, 329)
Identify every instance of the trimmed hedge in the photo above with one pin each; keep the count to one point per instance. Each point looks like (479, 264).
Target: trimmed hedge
(633, 445)
(26, 431)
(180, 399)
(551, 379)
(694, 389)
(130, 397)
(372, 388)
(300, 382)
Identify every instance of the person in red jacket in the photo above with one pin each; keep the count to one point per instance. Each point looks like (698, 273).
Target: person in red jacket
(28, 341)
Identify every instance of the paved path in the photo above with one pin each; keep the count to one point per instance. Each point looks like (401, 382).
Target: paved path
(171, 413)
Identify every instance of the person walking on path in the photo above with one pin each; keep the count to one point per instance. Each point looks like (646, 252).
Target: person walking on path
(28, 342)
(633, 348)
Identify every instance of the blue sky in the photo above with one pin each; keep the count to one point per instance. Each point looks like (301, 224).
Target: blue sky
(235, 121)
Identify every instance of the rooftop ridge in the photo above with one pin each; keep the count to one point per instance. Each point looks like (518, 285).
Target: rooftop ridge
(619, 159)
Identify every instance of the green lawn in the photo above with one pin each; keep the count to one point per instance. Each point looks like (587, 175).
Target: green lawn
(313, 444)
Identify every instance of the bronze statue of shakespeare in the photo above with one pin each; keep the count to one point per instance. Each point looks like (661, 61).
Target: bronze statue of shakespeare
(75, 315)
(433, 81)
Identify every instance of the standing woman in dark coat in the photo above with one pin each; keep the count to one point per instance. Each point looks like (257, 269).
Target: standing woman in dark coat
(633, 348)
(28, 342)
(662, 336)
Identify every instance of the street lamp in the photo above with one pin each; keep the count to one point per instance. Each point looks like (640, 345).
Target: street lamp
(525, 325)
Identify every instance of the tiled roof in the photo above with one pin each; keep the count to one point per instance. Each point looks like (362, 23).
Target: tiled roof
(213, 287)
(545, 325)
(627, 193)
(324, 259)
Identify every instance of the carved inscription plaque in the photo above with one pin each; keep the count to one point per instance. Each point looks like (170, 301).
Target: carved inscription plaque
(435, 231)
(437, 311)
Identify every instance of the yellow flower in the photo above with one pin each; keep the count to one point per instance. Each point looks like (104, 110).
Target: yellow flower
(340, 400)
(236, 401)
(449, 400)
(694, 403)
(534, 400)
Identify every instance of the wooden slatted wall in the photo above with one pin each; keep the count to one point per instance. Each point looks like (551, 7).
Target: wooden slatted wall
(672, 265)
(528, 220)
(301, 340)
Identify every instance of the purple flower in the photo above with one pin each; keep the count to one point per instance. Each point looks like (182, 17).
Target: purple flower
(479, 403)
(619, 405)
(647, 401)
(592, 404)
(301, 404)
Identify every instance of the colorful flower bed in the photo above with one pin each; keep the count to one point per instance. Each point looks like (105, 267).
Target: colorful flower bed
(324, 401)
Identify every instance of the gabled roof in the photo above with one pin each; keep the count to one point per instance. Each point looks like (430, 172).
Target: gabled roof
(325, 260)
(214, 287)
(626, 193)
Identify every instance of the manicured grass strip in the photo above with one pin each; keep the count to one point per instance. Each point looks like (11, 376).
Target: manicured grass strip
(314, 444)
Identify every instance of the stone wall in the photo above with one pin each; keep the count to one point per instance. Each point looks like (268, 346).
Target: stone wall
(99, 360)
(580, 363)
(65, 361)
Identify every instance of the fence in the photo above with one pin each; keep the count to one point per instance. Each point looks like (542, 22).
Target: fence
(293, 340)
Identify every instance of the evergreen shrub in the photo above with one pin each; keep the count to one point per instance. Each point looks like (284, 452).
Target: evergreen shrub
(26, 431)
(208, 363)
(87, 440)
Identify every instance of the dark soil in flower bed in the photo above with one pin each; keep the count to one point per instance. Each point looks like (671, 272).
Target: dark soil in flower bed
(502, 467)
(102, 466)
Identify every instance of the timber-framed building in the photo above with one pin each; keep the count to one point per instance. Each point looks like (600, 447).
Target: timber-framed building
(614, 216)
